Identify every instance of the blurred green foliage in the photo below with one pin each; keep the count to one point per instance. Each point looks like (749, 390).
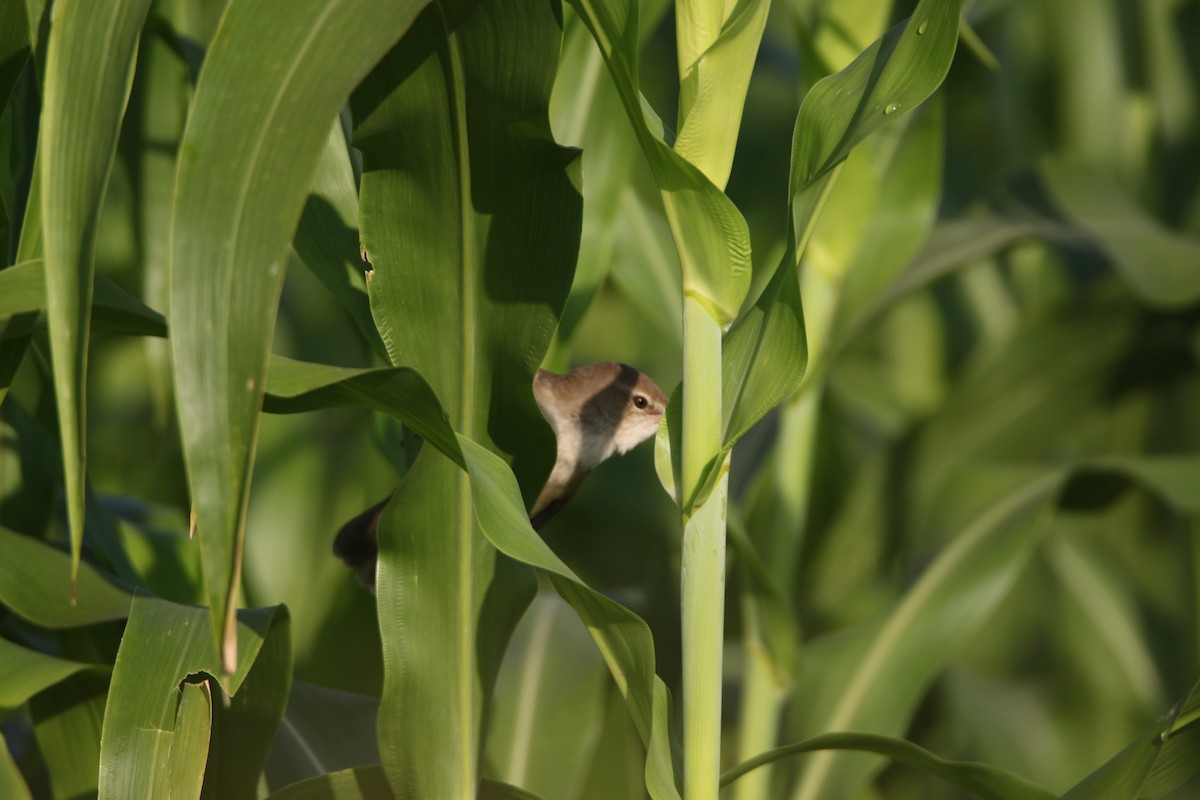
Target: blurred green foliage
(1032, 319)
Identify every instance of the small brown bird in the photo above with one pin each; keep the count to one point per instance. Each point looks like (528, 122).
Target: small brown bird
(595, 411)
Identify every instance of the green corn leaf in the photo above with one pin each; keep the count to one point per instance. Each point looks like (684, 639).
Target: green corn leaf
(714, 75)
(66, 724)
(550, 700)
(25, 672)
(12, 784)
(982, 780)
(295, 386)
(23, 291)
(872, 679)
(1154, 764)
(370, 782)
(89, 67)
(888, 79)
(246, 165)
(31, 585)
(155, 741)
(1157, 263)
(470, 217)
(710, 233)
(765, 354)
(623, 638)
(322, 731)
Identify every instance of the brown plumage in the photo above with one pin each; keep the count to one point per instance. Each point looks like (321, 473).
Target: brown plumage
(595, 411)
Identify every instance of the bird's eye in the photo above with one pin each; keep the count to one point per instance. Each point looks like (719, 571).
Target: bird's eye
(639, 401)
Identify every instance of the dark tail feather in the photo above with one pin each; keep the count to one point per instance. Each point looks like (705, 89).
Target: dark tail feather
(356, 543)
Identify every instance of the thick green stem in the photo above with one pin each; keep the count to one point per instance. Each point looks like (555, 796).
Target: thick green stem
(703, 558)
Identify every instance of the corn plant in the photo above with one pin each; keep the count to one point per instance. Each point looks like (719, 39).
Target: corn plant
(925, 275)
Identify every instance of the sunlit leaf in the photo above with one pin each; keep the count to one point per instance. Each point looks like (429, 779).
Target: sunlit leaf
(623, 638)
(87, 84)
(248, 157)
(470, 218)
(710, 234)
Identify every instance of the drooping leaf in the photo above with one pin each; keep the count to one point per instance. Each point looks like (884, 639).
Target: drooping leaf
(25, 672)
(23, 290)
(470, 219)
(982, 780)
(33, 585)
(89, 67)
(623, 638)
(248, 157)
(295, 386)
(710, 234)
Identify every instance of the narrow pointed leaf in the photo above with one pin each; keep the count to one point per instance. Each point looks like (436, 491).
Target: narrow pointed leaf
(89, 67)
(31, 586)
(25, 672)
(23, 290)
(710, 233)
(248, 158)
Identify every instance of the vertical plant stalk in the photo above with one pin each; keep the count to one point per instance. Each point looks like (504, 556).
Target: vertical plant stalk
(703, 558)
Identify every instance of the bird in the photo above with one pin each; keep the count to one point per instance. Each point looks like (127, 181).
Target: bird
(596, 411)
